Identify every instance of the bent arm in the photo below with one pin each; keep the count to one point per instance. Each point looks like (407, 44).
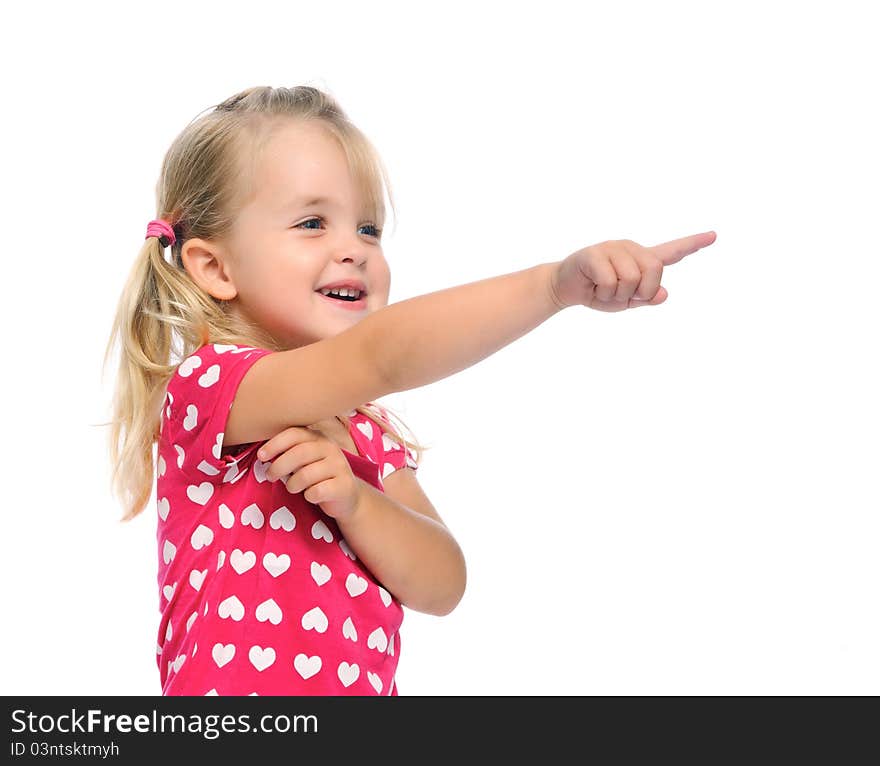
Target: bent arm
(415, 557)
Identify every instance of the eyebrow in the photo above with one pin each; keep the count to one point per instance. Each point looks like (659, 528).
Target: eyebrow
(300, 203)
(311, 202)
(316, 201)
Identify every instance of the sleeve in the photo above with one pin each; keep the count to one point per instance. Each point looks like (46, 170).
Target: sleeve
(198, 399)
(394, 454)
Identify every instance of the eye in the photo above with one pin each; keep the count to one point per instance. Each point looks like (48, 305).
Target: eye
(311, 220)
(376, 231)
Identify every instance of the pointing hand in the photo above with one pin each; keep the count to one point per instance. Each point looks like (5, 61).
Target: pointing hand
(620, 274)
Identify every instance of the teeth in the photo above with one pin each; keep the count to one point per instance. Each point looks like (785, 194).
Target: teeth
(345, 291)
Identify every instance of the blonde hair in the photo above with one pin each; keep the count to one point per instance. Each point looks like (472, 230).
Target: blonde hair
(207, 175)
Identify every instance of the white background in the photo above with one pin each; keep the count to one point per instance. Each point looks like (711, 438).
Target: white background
(673, 500)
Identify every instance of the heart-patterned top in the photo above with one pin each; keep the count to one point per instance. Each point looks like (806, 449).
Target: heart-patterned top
(258, 591)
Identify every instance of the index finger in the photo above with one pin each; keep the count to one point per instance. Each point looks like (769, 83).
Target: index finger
(675, 250)
(284, 440)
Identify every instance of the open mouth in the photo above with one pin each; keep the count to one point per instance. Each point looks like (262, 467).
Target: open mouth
(345, 299)
(343, 294)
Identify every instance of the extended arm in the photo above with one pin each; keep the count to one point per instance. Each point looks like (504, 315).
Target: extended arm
(429, 337)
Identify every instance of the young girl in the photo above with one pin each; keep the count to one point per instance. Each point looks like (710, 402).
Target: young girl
(291, 527)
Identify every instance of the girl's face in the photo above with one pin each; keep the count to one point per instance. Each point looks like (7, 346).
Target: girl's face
(284, 249)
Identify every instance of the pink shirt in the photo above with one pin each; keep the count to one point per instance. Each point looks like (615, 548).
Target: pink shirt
(258, 591)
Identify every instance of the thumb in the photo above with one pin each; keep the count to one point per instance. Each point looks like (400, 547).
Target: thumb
(660, 296)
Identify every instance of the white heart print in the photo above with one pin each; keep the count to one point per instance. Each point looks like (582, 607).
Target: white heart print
(366, 429)
(320, 530)
(307, 666)
(210, 376)
(168, 551)
(231, 607)
(164, 507)
(188, 365)
(348, 630)
(385, 596)
(346, 550)
(190, 620)
(206, 468)
(201, 537)
(348, 674)
(282, 517)
(200, 494)
(375, 681)
(221, 557)
(233, 474)
(180, 455)
(355, 585)
(261, 658)
(168, 591)
(260, 470)
(270, 611)
(253, 515)
(222, 653)
(276, 565)
(315, 619)
(196, 578)
(241, 562)
(192, 417)
(320, 572)
(227, 517)
(217, 449)
(377, 640)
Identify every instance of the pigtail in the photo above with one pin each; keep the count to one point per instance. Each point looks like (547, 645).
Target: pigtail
(144, 342)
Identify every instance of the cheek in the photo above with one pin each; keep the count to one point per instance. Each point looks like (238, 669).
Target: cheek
(381, 281)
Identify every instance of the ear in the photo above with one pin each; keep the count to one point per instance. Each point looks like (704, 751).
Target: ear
(207, 265)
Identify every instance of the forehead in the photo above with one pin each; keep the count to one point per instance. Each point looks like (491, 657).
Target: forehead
(301, 161)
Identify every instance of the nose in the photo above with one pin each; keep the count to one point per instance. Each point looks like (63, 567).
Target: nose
(353, 252)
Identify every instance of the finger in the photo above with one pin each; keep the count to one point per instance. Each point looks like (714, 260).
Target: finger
(308, 476)
(650, 273)
(319, 492)
(294, 458)
(615, 306)
(629, 275)
(604, 277)
(284, 440)
(674, 251)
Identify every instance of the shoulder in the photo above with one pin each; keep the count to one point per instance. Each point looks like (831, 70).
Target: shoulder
(205, 366)
(214, 353)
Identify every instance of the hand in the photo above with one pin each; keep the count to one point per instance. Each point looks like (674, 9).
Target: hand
(620, 274)
(314, 465)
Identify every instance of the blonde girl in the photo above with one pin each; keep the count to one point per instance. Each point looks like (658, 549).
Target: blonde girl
(291, 527)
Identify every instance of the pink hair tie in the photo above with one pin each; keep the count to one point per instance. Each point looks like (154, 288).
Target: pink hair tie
(161, 229)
